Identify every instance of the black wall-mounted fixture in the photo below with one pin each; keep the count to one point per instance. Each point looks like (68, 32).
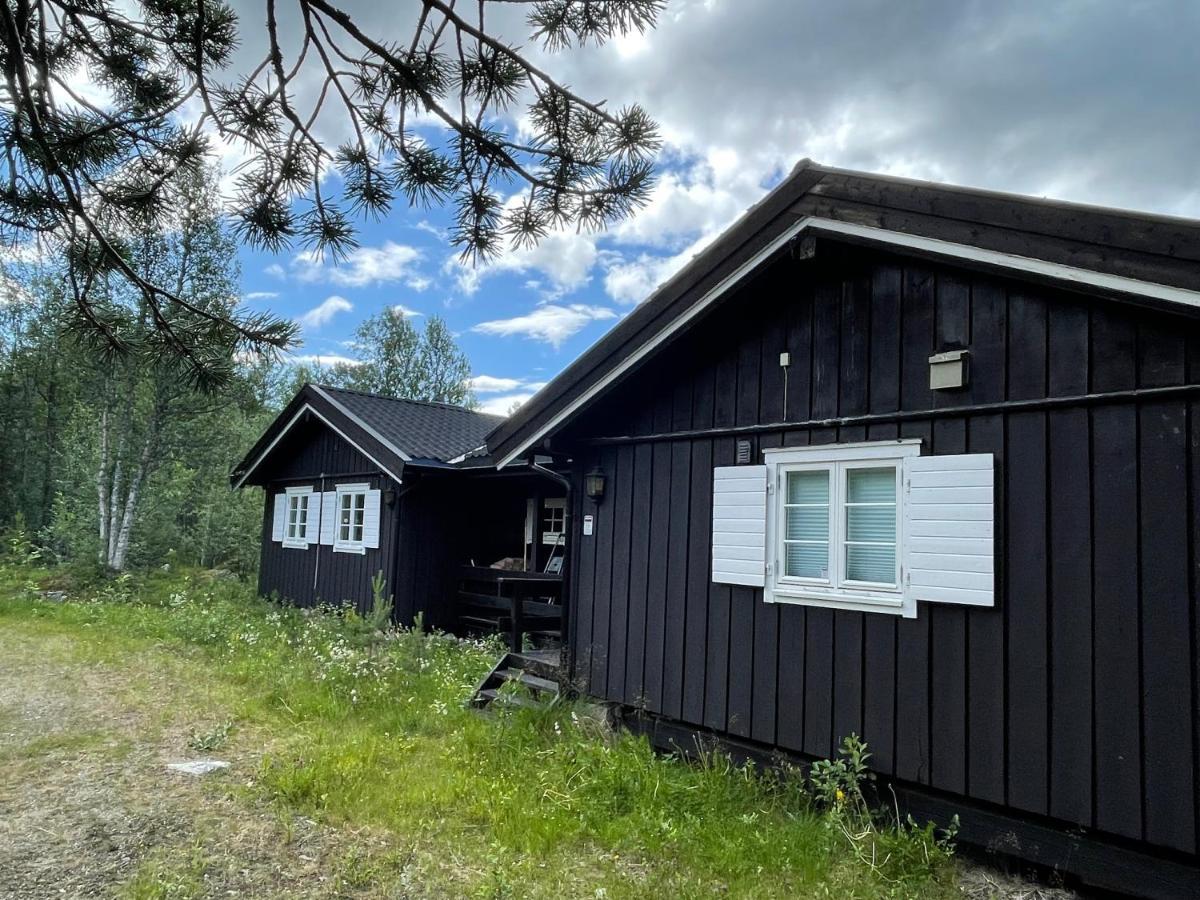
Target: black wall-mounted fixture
(594, 484)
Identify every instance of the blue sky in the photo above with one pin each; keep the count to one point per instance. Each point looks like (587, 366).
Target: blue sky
(1074, 99)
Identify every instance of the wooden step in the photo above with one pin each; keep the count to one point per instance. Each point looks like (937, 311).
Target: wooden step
(533, 682)
(544, 664)
(492, 695)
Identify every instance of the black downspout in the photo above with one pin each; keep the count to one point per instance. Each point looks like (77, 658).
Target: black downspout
(567, 652)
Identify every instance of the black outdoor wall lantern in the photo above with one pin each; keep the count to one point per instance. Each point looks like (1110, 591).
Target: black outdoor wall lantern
(593, 484)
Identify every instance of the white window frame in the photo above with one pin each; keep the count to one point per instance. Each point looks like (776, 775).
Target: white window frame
(835, 591)
(350, 545)
(297, 496)
(553, 538)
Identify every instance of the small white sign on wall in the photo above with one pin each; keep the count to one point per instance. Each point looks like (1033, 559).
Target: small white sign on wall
(588, 525)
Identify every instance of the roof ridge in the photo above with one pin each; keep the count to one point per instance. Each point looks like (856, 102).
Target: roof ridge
(430, 403)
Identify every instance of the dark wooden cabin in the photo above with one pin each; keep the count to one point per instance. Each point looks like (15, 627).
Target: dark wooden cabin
(357, 485)
(923, 464)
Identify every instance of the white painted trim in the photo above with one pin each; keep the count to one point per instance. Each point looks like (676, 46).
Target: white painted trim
(363, 425)
(300, 491)
(1055, 271)
(286, 428)
(895, 449)
(339, 490)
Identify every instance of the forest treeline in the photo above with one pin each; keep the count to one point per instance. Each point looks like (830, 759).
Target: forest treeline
(119, 459)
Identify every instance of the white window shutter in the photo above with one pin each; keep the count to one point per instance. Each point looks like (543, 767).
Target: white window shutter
(371, 520)
(280, 520)
(328, 516)
(949, 529)
(739, 525)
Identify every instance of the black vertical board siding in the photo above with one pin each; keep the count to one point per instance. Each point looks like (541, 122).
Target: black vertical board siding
(1026, 549)
(848, 675)
(854, 370)
(583, 569)
(1166, 663)
(716, 664)
(1071, 769)
(884, 363)
(953, 312)
(1070, 616)
(948, 655)
(987, 364)
(1025, 610)
(699, 577)
(1115, 549)
(1117, 690)
(793, 635)
(656, 579)
(604, 600)
(799, 376)
(678, 566)
(618, 624)
(791, 693)
(879, 642)
(639, 562)
(985, 637)
(826, 348)
(912, 667)
(1193, 536)
(818, 682)
(766, 647)
(917, 310)
(744, 601)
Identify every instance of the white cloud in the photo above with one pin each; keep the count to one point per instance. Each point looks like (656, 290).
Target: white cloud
(502, 406)
(388, 263)
(275, 270)
(323, 312)
(405, 312)
(564, 258)
(260, 295)
(491, 384)
(324, 359)
(632, 281)
(551, 324)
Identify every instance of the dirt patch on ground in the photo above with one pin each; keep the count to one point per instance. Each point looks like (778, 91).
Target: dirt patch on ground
(88, 808)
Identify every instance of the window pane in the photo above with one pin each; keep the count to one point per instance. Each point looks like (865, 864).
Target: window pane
(871, 485)
(807, 523)
(808, 487)
(871, 523)
(806, 560)
(871, 564)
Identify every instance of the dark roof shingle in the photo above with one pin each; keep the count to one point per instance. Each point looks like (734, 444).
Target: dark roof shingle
(422, 430)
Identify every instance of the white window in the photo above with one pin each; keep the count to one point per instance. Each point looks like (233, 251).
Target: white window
(834, 525)
(868, 527)
(296, 520)
(554, 518)
(350, 520)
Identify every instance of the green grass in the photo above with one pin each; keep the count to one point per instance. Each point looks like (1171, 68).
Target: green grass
(366, 731)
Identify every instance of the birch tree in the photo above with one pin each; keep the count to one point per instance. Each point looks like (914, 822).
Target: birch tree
(141, 402)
